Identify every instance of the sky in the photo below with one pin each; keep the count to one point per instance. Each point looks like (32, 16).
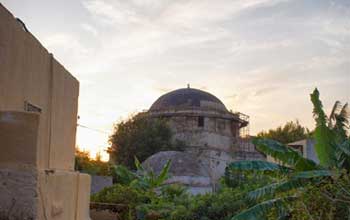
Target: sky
(260, 57)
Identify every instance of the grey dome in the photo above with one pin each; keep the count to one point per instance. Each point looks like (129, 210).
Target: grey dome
(182, 164)
(187, 98)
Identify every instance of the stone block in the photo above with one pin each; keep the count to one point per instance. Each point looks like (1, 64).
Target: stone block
(83, 200)
(58, 192)
(28, 194)
(18, 194)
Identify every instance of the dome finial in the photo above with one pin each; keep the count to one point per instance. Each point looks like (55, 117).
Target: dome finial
(188, 86)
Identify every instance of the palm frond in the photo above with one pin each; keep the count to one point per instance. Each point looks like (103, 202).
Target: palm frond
(138, 165)
(273, 188)
(345, 147)
(343, 155)
(319, 114)
(336, 107)
(123, 175)
(284, 154)
(255, 165)
(259, 211)
(164, 173)
(344, 113)
(263, 191)
(323, 135)
(297, 180)
(313, 174)
(341, 127)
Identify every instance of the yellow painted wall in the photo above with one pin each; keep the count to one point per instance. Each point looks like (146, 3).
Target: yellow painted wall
(63, 195)
(18, 139)
(29, 73)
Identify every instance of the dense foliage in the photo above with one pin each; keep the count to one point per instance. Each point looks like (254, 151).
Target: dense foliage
(172, 202)
(142, 137)
(304, 189)
(84, 163)
(290, 132)
(296, 188)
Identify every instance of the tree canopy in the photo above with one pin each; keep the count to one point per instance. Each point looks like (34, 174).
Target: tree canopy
(290, 132)
(84, 163)
(141, 137)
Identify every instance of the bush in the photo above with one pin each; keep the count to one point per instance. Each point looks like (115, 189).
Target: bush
(141, 137)
(172, 202)
(125, 195)
(85, 164)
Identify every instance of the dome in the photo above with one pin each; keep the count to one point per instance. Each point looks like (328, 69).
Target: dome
(188, 98)
(182, 164)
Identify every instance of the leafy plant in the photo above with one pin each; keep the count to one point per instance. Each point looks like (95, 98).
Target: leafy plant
(297, 174)
(149, 180)
(122, 194)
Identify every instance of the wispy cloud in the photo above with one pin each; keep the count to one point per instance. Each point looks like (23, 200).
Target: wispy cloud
(261, 57)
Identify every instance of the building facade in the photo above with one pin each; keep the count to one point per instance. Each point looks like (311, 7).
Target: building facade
(211, 135)
(38, 118)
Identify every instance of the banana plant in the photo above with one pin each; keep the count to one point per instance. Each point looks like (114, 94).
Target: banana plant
(296, 172)
(142, 178)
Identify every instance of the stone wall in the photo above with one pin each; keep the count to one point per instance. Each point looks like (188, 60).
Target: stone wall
(18, 202)
(212, 144)
(215, 144)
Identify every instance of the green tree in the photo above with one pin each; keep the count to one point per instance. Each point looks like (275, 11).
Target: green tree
(298, 176)
(141, 137)
(290, 132)
(84, 163)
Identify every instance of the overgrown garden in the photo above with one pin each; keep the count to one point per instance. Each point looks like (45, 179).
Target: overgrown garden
(293, 188)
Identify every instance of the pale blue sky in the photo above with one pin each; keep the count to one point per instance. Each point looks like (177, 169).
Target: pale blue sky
(260, 57)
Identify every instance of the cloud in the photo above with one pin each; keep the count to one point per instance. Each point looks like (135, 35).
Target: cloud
(261, 57)
(265, 90)
(89, 28)
(111, 14)
(65, 46)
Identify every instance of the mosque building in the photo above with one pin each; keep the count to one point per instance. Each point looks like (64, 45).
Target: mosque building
(212, 135)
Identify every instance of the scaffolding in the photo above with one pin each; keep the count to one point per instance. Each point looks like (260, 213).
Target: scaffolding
(244, 125)
(244, 149)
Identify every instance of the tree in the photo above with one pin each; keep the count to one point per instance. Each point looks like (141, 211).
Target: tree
(141, 137)
(84, 163)
(299, 176)
(290, 132)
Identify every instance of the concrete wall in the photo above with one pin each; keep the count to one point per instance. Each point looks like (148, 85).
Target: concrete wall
(30, 74)
(305, 146)
(19, 139)
(310, 152)
(100, 182)
(37, 180)
(64, 195)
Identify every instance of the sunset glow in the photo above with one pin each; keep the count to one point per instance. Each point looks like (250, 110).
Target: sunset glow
(260, 57)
